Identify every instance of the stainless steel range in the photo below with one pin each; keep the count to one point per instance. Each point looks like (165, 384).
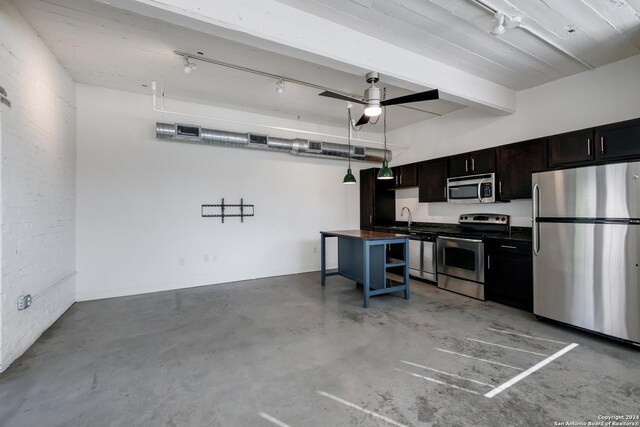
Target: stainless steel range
(461, 255)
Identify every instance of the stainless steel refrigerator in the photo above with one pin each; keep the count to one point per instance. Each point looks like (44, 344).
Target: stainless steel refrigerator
(586, 247)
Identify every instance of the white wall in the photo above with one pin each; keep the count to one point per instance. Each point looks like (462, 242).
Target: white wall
(38, 185)
(608, 94)
(139, 200)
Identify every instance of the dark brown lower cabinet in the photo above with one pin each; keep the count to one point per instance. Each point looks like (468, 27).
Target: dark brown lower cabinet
(509, 273)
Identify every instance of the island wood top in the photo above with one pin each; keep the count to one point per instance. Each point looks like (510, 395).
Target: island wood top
(364, 234)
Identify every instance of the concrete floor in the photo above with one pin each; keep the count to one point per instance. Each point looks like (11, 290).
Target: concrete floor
(221, 355)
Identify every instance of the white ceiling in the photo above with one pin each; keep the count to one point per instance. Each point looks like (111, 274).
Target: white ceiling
(102, 45)
(457, 33)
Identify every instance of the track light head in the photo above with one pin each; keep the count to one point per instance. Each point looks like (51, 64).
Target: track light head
(504, 23)
(280, 87)
(499, 29)
(189, 66)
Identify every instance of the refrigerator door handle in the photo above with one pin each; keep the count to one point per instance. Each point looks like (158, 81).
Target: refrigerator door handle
(536, 225)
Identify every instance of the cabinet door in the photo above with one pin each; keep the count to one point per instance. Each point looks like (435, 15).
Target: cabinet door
(618, 140)
(432, 180)
(405, 175)
(367, 197)
(384, 207)
(516, 163)
(459, 165)
(570, 148)
(409, 175)
(509, 276)
(483, 161)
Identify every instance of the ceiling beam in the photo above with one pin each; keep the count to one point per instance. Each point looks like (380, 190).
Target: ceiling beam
(276, 27)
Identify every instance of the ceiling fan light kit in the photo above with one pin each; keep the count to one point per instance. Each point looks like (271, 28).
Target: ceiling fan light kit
(372, 102)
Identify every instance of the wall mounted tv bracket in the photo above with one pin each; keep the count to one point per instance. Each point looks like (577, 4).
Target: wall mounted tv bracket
(220, 211)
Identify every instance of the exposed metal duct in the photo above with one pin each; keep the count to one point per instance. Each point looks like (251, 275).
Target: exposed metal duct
(297, 146)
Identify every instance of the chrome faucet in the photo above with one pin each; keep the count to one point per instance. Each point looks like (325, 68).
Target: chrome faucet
(402, 214)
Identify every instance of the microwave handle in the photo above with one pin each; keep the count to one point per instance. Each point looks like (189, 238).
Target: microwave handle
(480, 191)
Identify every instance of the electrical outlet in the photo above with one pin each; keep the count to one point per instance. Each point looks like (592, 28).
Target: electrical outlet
(205, 258)
(24, 301)
(214, 258)
(181, 261)
(315, 249)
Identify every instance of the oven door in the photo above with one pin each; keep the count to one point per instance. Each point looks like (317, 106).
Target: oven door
(461, 257)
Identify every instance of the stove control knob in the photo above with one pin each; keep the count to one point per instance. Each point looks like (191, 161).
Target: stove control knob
(497, 218)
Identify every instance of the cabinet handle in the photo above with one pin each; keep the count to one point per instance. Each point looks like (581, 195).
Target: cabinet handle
(500, 184)
(466, 166)
(445, 192)
(400, 176)
(488, 262)
(588, 146)
(602, 144)
(508, 247)
(371, 219)
(473, 164)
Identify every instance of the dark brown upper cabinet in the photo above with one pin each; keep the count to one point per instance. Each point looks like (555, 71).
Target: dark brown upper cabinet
(432, 180)
(476, 162)
(571, 148)
(618, 140)
(377, 203)
(516, 163)
(405, 175)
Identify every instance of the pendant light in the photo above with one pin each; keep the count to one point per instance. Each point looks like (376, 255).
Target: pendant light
(349, 178)
(385, 172)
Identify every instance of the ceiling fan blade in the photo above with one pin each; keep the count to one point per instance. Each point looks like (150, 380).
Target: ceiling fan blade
(414, 97)
(330, 94)
(364, 119)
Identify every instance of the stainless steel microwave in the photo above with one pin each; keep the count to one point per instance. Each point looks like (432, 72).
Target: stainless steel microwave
(472, 189)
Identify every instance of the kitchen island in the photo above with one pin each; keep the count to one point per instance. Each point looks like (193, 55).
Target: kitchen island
(363, 258)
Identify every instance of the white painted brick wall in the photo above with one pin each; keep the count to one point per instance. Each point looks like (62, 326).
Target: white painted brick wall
(38, 185)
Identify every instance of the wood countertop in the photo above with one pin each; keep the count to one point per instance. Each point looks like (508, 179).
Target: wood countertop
(365, 234)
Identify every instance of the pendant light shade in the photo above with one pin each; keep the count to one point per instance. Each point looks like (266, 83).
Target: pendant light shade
(349, 178)
(385, 172)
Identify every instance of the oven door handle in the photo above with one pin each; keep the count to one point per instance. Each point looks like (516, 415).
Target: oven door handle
(460, 239)
(480, 191)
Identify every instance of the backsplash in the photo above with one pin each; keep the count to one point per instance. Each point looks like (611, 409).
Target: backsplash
(519, 210)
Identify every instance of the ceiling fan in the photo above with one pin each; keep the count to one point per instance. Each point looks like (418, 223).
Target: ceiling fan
(372, 98)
